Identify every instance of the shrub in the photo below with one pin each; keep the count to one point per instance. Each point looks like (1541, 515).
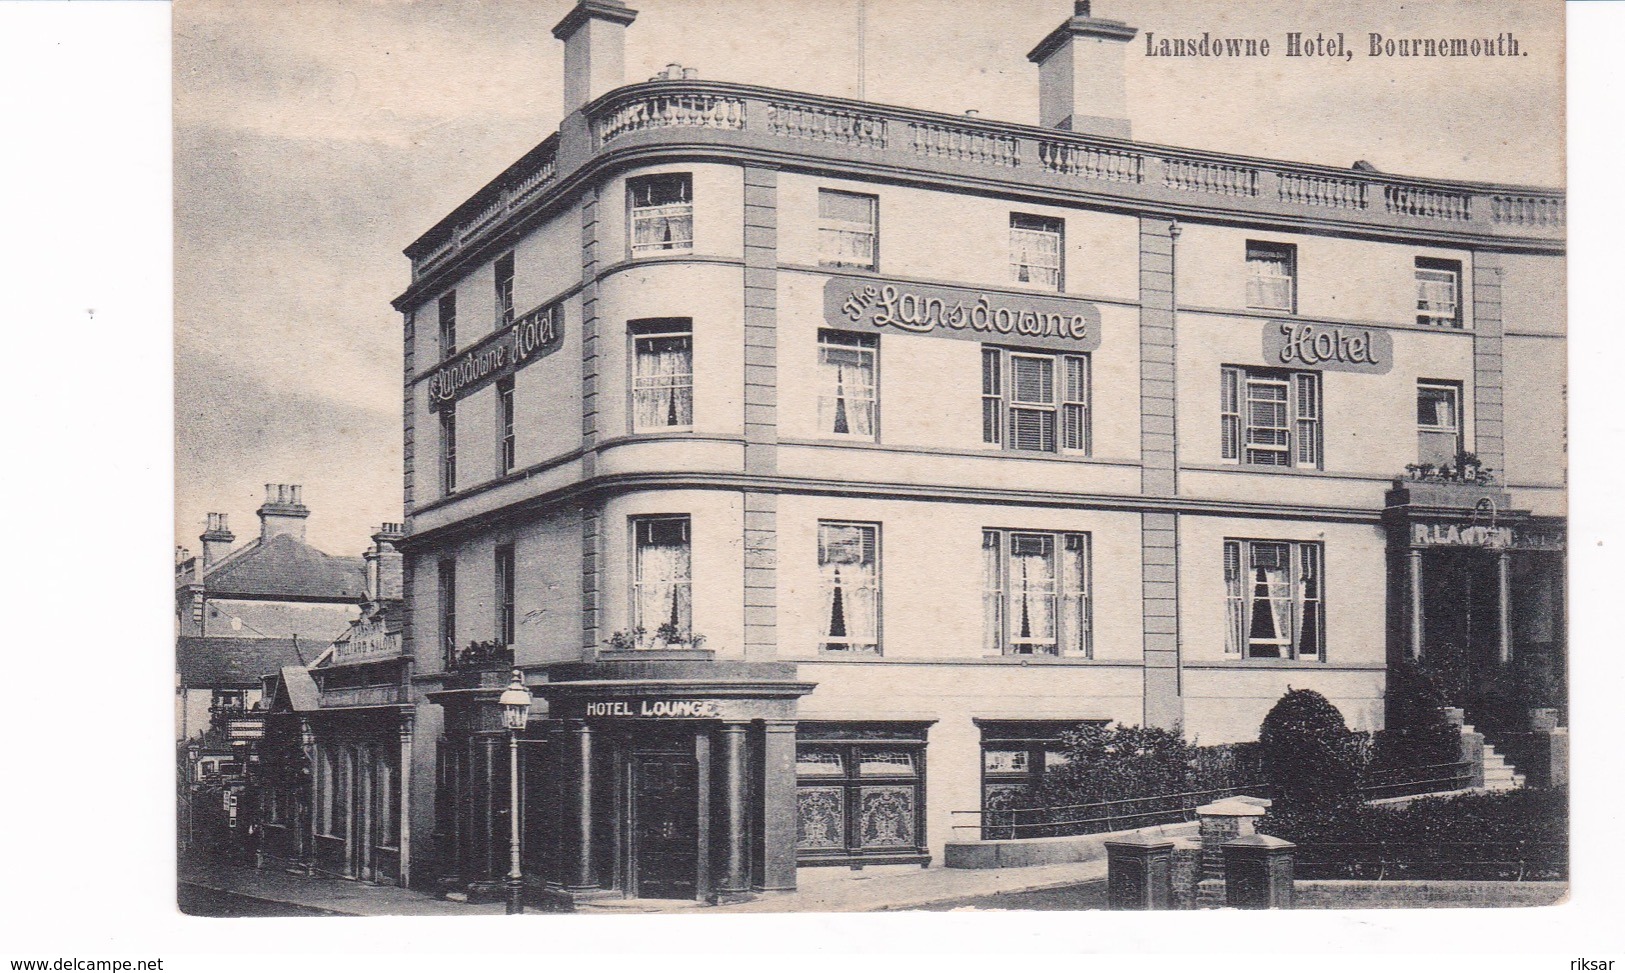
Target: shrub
(1142, 765)
(1417, 733)
(1309, 755)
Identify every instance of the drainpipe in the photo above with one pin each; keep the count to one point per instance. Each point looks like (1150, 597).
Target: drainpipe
(1174, 229)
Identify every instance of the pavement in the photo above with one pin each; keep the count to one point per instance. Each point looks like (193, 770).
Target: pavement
(872, 889)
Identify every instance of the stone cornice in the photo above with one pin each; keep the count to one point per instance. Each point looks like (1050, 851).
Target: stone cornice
(1112, 30)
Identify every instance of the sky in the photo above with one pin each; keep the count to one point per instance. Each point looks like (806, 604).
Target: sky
(315, 139)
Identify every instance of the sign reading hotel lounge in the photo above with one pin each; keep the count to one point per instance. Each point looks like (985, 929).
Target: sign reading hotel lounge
(667, 709)
(532, 337)
(956, 312)
(1333, 348)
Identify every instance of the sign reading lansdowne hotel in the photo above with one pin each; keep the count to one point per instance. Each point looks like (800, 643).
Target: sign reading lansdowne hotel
(811, 536)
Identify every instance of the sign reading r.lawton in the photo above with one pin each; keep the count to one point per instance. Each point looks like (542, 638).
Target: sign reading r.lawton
(956, 312)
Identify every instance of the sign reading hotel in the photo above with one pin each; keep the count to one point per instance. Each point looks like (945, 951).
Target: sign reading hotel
(534, 336)
(1332, 348)
(955, 312)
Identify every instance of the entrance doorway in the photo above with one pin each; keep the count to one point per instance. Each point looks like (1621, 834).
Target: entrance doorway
(665, 826)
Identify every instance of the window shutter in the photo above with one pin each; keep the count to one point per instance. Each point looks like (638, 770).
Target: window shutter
(992, 397)
(1306, 402)
(1230, 413)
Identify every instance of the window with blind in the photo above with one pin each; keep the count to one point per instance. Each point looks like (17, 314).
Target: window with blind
(860, 793)
(1438, 422)
(662, 596)
(661, 211)
(848, 229)
(662, 375)
(1272, 276)
(448, 448)
(849, 573)
(1275, 600)
(1035, 250)
(505, 594)
(448, 324)
(846, 384)
(1035, 402)
(504, 289)
(1035, 593)
(1270, 417)
(447, 595)
(1438, 292)
(505, 426)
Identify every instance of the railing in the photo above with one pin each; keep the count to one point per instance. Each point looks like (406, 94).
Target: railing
(1327, 191)
(1387, 861)
(1528, 210)
(1210, 177)
(361, 696)
(826, 125)
(1092, 162)
(1432, 203)
(813, 125)
(1410, 781)
(1060, 820)
(669, 111)
(962, 144)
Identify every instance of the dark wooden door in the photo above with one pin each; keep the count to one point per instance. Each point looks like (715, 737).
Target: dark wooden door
(665, 825)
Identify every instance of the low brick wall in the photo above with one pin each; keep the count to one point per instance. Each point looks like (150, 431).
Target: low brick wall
(1024, 852)
(1410, 895)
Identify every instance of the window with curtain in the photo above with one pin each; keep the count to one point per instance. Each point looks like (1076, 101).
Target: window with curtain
(1035, 593)
(848, 230)
(1272, 276)
(448, 324)
(1035, 250)
(1438, 422)
(1438, 292)
(505, 426)
(662, 599)
(503, 273)
(662, 376)
(448, 448)
(1035, 402)
(846, 384)
(1274, 599)
(849, 571)
(1270, 418)
(505, 594)
(661, 209)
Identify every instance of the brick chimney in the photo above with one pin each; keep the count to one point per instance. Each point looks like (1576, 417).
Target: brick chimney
(1081, 85)
(594, 36)
(283, 512)
(384, 575)
(217, 539)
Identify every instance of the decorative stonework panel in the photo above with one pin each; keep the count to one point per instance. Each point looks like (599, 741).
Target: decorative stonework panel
(820, 822)
(886, 817)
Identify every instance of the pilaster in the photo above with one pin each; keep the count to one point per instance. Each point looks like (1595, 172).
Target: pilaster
(1489, 438)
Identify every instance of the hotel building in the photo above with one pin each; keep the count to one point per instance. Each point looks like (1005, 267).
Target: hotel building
(818, 461)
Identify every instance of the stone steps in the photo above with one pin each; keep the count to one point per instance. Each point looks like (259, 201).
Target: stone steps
(1499, 774)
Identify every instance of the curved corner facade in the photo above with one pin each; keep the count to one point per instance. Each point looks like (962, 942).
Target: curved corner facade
(818, 462)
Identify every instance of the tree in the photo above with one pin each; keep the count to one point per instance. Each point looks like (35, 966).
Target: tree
(1417, 733)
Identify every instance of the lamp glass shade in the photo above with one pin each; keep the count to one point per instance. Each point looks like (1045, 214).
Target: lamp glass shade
(515, 702)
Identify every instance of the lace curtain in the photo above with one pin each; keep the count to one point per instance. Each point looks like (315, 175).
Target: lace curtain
(846, 560)
(663, 588)
(846, 405)
(663, 383)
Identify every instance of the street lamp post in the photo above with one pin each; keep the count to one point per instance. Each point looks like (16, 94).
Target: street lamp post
(515, 704)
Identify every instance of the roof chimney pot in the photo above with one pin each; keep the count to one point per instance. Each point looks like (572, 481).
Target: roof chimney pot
(217, 539)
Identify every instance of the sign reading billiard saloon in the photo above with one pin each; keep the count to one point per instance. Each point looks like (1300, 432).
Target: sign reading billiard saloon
(1035, 320)
(1332, 348)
